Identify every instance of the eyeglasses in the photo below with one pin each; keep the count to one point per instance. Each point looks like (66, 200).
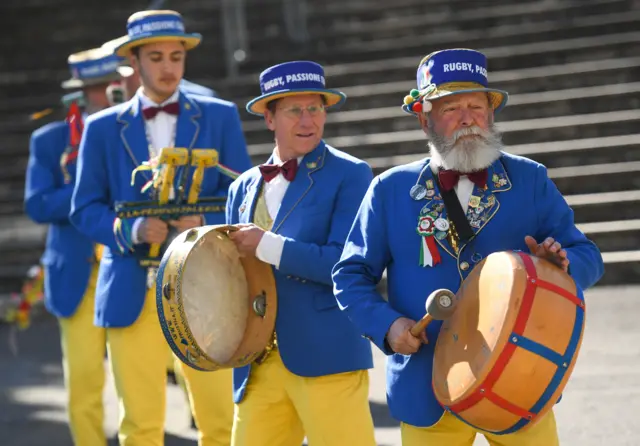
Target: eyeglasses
(296, 112)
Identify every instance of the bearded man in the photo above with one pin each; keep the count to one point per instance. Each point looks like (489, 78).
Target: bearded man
(480, 200)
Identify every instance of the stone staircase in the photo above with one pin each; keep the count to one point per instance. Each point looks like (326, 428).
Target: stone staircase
(572, 68)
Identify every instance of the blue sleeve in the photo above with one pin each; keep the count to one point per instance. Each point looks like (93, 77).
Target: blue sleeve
(231, 211)
(45, 200)
(91, 211)
(357, 274)
(555, 219)
(233, 155)
(318, 261)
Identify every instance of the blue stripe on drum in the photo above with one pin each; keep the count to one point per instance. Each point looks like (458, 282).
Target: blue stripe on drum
(552, 356)
(159, 308)
(560, 372)
(538, 349)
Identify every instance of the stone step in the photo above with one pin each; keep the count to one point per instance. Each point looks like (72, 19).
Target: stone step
(577, 75)
(622, 267)
(598, 99)
(482, 28)
(514, 132)
(595, 178)
(613, 236)
(203, 18)
(555, 77)
(507, 57)
(600, 207)
(11, 209)
(504, 55)
(577, 152)
(474, 15)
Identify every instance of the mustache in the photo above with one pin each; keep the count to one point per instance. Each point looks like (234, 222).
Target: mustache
(470, 131)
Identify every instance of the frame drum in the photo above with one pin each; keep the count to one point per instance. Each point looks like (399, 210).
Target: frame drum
(217, 309)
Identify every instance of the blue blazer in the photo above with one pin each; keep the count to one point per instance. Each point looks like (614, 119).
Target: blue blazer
(113, 144)
(520, 200)
(68, 254)
(314, 337)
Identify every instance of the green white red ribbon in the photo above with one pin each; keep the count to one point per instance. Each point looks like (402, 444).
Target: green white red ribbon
(429, 254)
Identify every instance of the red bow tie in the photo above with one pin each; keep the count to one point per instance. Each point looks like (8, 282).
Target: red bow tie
(151, 112)
(288, 170)
(449, 178)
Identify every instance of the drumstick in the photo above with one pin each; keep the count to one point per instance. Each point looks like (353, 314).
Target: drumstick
(421, 325)
(439, 306)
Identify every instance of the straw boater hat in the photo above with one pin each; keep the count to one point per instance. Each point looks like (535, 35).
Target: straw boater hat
(155, 26)
(291, 79)
(449, 72)
(93, 67)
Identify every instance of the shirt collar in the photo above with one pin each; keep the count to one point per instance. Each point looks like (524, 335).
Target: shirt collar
(277, 160)
(436, 162)
(147, 102)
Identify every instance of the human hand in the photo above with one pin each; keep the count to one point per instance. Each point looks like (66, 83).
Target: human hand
(186, 222)
(549, 250)
(400, 338)
(247, 238)
(153, 230)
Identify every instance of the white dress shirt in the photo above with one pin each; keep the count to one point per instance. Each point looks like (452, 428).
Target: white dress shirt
(160, 132)
(270, 248)
(464, 187)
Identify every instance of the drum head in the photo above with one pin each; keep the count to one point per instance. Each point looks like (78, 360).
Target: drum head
(214, 290)
(217, 309)
(467, 340)
(502, 360)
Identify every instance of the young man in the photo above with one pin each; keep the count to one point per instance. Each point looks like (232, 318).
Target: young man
(70, 260)
(115, 143)
(510, 204)
(294, 213)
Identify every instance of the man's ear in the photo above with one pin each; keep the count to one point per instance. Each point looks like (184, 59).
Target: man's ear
(423, 118)
(268, 119)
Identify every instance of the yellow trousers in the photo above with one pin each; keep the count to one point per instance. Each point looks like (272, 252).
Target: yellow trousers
(138, 357)
(450, 431)
(83, 354)
(279, 408)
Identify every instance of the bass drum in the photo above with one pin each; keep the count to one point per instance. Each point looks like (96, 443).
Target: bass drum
(217, 309)
(504, 357)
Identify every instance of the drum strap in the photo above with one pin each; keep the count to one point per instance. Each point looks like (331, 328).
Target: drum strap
(455, 212)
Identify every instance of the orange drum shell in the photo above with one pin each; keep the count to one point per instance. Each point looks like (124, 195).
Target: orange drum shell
(482, 373)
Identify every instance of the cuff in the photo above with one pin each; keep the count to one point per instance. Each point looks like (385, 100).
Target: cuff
(134, 230)
(270, 248)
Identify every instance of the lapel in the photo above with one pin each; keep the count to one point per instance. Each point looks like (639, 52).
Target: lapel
(300, 186)
(134, 137)
(133, 134)
(187, 131)
(483, 203)
(248, 205)
(434, 207)
(188, 127)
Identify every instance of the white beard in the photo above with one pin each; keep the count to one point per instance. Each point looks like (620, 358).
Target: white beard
(466, 154)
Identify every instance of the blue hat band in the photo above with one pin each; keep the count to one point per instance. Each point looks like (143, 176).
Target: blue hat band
(89, 69)
(294, 81)
(453, 66)
(155, 24)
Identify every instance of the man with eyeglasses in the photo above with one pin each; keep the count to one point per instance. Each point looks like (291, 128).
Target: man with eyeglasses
(294, 213)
